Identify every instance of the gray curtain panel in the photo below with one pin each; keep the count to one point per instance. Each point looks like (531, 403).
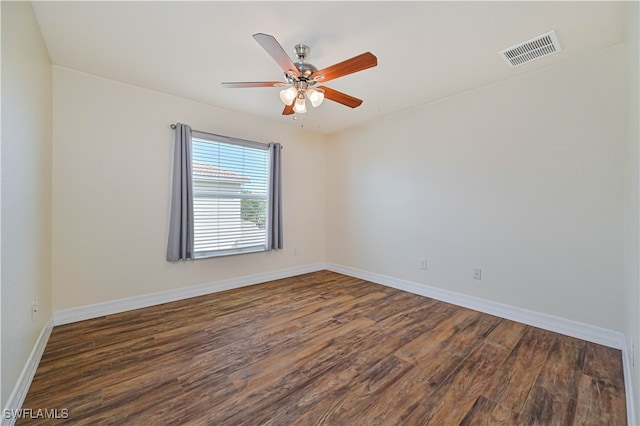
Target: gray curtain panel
(274, 239)
(180, 246)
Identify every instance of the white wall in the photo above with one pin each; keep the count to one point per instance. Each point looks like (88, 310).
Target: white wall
(632, 209)
(26, 188)
(523, 179)
(111, 185)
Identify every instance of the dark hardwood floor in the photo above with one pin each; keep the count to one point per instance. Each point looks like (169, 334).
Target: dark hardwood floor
(322, 348)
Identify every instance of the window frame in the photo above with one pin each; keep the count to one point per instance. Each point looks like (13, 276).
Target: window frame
(246, 144)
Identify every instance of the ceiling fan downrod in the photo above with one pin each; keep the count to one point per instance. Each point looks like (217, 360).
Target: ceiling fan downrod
(306, 70)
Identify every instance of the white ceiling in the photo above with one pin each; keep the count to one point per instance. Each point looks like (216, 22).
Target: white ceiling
(426, 50)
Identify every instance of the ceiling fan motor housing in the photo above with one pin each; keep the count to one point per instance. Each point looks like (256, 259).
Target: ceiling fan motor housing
(306, 71)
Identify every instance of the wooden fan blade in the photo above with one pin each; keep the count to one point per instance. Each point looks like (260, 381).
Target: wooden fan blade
(288, 109)
(273, 48)
(355, 64)
(341, 98)
(241, 84)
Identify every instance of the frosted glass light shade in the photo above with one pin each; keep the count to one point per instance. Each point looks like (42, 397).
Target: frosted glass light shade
(287, 96)
(300, 106)
(316, 96)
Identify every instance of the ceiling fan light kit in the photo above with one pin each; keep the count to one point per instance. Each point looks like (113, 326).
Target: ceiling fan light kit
(300, 106)
(315, 96)
(287, 96)
(302, 77)
(298, 92)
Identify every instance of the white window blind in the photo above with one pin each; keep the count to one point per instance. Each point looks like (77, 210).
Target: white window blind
(230, 194)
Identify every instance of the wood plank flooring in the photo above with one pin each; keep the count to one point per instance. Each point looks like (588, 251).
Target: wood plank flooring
(327, 349)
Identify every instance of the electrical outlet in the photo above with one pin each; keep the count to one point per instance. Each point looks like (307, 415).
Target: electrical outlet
(477, 274)
(423, 263)
(34, 307)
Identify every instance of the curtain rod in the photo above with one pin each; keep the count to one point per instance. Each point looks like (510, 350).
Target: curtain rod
(173, 126)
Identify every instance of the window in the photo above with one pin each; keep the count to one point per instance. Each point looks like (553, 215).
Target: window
(230, 195)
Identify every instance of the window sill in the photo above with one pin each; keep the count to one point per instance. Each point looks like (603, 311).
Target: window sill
(222, 253)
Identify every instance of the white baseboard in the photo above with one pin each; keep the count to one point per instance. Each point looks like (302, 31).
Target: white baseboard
(16, 399)
(564, 326)
(97, 310)
(590, 333)
(628, 386)
(560, 325)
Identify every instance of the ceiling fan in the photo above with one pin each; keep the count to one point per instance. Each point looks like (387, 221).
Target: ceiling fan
(302, 77)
